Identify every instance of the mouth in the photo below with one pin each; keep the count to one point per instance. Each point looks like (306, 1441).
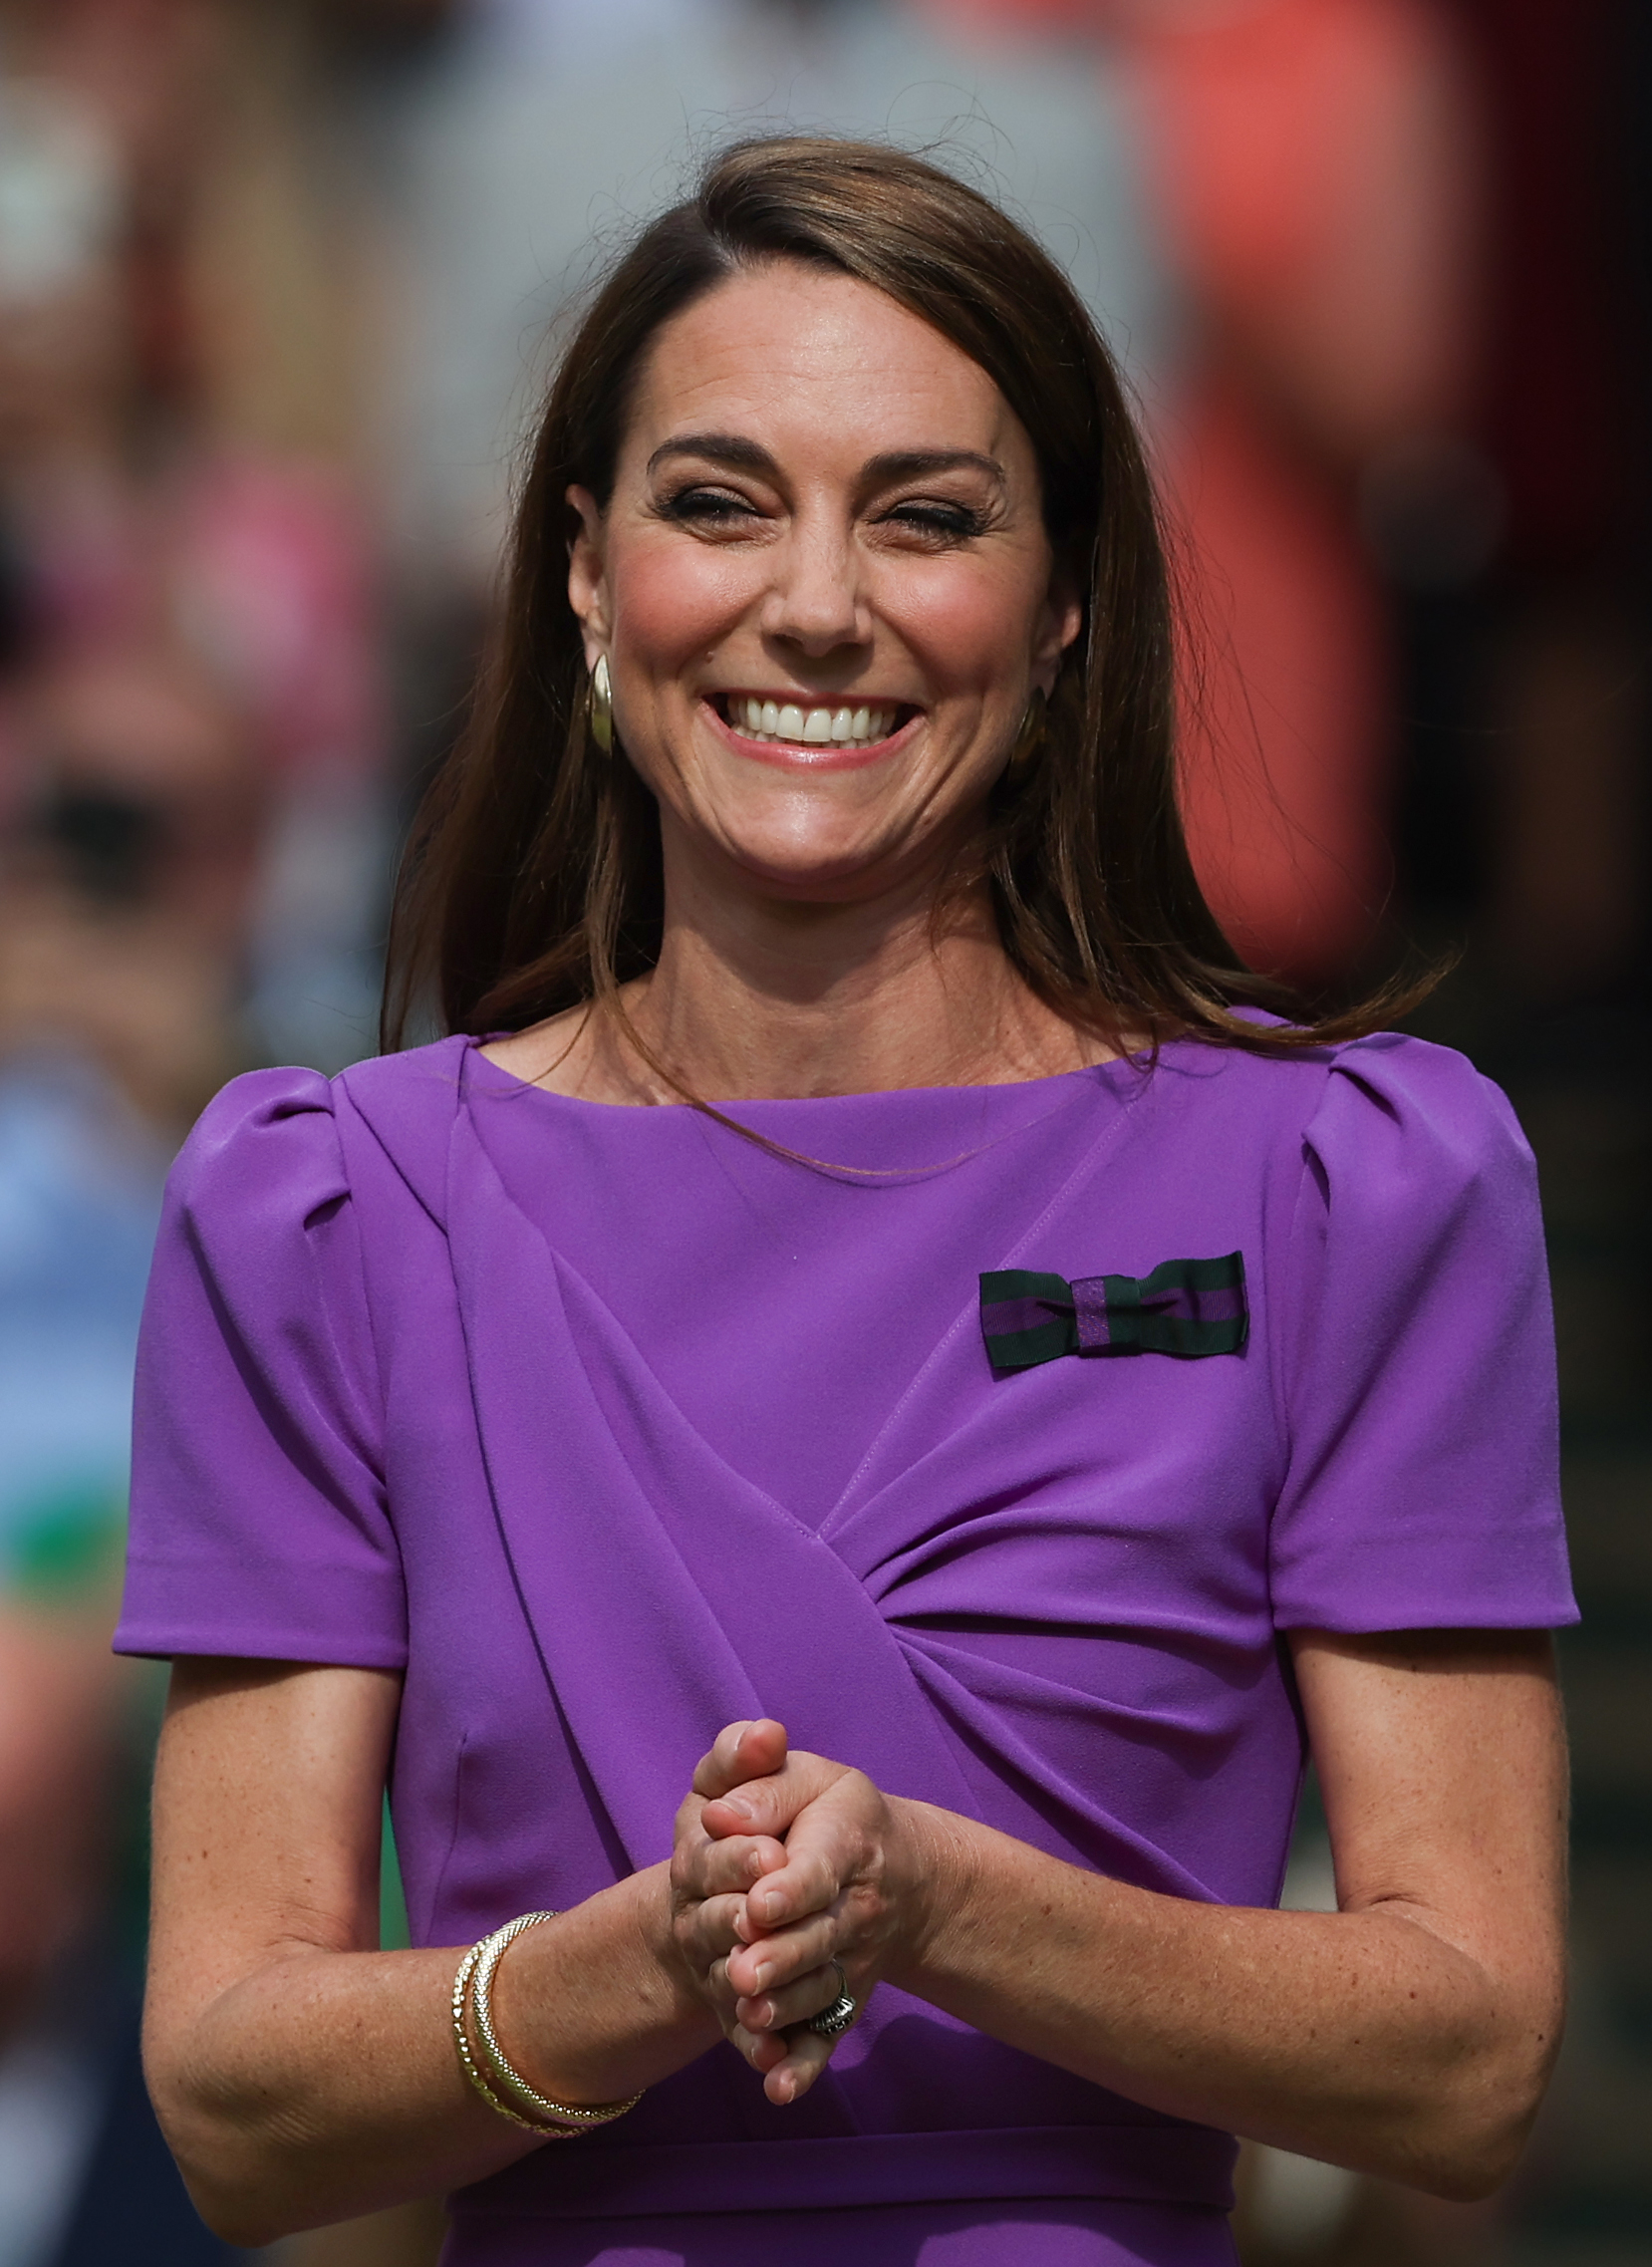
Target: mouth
(815, 731)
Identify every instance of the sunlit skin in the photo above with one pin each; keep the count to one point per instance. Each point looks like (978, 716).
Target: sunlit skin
(819, 499)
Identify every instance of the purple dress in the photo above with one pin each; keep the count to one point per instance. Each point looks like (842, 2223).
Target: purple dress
(608, 1426)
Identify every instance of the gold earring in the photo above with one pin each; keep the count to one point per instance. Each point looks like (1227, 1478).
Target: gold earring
(1030, 738)
(599, 706)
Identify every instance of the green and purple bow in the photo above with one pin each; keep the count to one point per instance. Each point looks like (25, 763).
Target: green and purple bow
(1186, 1306)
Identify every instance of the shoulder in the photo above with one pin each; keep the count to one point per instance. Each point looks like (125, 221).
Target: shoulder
(1403, 1107)
(1385, 1094)
(408, 1088)
(282, 1146)
(266, 1140)
(1397, 1151)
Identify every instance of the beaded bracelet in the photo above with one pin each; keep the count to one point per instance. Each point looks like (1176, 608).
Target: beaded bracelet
(555, 2120)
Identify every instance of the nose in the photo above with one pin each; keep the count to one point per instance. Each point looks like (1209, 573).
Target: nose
(815, 601)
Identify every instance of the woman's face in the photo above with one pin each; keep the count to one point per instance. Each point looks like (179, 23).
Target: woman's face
(822, 584)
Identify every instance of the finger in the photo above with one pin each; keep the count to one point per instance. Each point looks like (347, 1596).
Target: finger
(806, 2056)
(742, 1752)
(720, 1869)
(763, 2050)
(835, 1838)
(773, 1963)
(707, 1932)
(772, 1802)
(795, 2003)
(813, 1874)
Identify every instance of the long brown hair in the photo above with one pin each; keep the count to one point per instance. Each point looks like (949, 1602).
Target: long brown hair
(531, 880)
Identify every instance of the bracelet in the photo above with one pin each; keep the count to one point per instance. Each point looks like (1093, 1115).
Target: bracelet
(556, 2120)
(461, 2039)
(561, 2114)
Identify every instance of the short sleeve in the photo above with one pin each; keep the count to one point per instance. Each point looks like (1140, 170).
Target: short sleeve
(259, 1524)
(1423, 1483)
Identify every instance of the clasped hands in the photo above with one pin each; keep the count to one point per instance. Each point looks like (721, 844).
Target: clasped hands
(783, 1865)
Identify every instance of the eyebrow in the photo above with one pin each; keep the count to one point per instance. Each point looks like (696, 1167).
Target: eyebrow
(721, 447)
(914, 463)
(893, 464)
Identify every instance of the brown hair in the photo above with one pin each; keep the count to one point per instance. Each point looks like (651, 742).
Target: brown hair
(531, 882)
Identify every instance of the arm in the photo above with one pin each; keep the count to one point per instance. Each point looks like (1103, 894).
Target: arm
(301, 2074)
(1409, 2034)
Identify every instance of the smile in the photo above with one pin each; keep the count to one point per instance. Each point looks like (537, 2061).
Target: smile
(788, 724)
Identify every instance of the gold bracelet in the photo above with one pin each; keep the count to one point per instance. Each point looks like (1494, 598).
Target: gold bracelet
(562, 2118)
(461, 2039)
(556, 2120)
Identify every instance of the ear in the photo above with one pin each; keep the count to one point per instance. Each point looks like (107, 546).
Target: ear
(1059, 621)
(588, 575)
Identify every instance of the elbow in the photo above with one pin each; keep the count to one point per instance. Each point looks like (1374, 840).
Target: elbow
(235, 2221)
(1468, 2145)
(232, 2200)
(1472, 2167)
(226, 2179)
(235, 2211)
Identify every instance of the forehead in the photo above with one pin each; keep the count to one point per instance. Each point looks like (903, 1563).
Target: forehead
(805, 359)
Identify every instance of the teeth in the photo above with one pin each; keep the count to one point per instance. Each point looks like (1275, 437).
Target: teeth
(808, 727)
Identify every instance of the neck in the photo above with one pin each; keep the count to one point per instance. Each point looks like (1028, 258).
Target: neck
(759, 997)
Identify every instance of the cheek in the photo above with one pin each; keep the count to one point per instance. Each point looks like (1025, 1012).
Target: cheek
(671, 601)
(970, 630)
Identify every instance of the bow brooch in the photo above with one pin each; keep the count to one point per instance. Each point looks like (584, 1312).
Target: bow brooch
(1186, 1306)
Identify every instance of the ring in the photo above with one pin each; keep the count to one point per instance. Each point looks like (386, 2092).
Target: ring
(832, 2022)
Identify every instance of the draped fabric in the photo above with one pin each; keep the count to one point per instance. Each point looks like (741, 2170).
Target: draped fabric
(447, 1374)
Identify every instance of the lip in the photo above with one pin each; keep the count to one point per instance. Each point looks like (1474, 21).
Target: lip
(828, 756)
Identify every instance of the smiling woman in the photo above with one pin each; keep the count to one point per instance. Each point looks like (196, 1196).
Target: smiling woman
(841, 383)
(1147, 1389)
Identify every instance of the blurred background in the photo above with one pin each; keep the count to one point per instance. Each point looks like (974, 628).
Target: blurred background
(279, 280)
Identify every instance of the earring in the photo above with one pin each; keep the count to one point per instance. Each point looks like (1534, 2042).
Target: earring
(599, 706)
(1028, 739)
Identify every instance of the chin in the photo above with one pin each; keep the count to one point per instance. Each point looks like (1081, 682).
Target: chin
(834, 873)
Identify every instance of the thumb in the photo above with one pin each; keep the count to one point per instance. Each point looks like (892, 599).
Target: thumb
(769, 1806)
(742, 1752)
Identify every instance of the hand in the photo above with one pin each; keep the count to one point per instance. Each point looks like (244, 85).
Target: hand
(831, 1870)
(710, 1878)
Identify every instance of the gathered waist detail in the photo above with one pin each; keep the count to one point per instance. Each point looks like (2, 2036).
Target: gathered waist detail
(1154, 2163)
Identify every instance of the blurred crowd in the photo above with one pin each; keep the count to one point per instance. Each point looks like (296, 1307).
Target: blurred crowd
(279, 281)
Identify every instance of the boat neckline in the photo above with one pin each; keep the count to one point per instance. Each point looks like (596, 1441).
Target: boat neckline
(509, 1080)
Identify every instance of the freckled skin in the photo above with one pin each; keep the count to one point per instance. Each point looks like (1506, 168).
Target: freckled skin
(819, 579)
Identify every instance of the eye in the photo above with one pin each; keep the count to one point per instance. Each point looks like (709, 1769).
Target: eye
(936, 518)
(707, 505)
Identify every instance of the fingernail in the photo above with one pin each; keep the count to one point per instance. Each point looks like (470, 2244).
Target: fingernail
(761, 1977)
(740, 1806)
(768, 1908)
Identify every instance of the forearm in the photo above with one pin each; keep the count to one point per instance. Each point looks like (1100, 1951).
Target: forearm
(326, 2083)
(1367, 2038)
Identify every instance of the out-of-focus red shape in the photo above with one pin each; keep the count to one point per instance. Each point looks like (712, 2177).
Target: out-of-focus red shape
(1286, 700)
(1316, 170)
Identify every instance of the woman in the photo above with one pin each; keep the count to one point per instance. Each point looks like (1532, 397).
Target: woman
(818, 1313)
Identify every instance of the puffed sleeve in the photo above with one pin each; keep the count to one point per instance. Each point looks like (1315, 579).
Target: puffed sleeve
(1422, 1488)
(259, 1523)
